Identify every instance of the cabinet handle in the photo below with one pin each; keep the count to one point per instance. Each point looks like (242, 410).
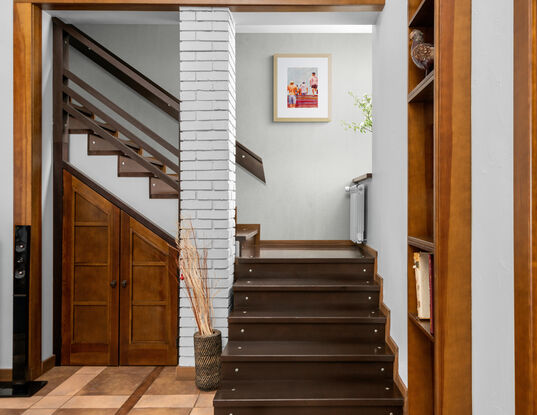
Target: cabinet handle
(113, 283)
(124, 283)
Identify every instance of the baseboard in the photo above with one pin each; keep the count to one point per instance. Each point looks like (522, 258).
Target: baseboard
(388, 338)
(301, 243)
(185, 372)
(46, 365)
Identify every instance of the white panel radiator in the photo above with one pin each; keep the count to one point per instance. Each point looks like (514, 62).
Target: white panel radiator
(357, 228)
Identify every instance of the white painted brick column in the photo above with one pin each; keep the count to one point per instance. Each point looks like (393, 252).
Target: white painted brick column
(207, 136)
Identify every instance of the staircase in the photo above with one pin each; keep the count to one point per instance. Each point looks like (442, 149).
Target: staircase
(307, 337)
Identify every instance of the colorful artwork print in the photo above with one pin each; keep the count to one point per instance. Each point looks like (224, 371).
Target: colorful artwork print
(302, 87)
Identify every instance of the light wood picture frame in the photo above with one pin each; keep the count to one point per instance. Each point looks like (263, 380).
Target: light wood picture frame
(308, 98)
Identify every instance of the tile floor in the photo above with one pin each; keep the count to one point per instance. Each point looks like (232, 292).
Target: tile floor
(105, 391)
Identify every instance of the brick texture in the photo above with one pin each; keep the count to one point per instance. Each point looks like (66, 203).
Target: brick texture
(207, 136)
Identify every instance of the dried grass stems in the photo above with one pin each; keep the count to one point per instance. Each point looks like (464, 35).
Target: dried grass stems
(192, 263)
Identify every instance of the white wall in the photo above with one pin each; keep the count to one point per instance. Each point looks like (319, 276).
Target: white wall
(492, 208)
(387, 221)
(307, 165)
(6, 184)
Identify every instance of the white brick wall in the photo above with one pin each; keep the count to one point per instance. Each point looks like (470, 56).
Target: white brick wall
(207, 73)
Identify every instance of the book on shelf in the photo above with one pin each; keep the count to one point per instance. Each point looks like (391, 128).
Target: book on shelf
(431, 292)
(423, 263)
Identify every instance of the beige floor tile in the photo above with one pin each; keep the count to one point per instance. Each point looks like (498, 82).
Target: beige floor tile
(205, 400)
(202, 411)
(160, 411)
(18, 403)
(55, 377)
(11, 411)
(72, 385)
(90, 370)
(52, 402)
(166, 401)
(85, 411)
(122, 380)
(38, 411)
(86, 401)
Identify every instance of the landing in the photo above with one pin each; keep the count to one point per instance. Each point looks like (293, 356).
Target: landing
(305, 253)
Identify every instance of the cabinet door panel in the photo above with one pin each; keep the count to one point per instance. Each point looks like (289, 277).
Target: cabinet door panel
(90, 264)
(148, 303)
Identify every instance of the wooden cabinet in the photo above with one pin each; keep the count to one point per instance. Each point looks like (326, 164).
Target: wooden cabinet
(119, 293)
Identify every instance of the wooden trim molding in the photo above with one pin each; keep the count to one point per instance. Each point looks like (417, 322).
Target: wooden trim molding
(525, 204)
(27, 156)
(46, 365)
(453, 207)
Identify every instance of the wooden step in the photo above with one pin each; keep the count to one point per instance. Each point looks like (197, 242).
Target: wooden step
(128, 167)
(314, 299)
(304, 270)
(81, 108)
(282, 397)
(158, 189)
(331, 283)
(78, 127)
(98, 146)
(360, 326)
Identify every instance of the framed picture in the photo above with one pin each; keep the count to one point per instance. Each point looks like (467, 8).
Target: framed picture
(302, 87)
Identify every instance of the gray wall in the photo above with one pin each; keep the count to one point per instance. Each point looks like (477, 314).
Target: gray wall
(307, 165)
(492, 208)
(387, 205)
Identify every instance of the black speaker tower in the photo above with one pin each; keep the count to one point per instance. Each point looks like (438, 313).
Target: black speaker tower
(20, 385)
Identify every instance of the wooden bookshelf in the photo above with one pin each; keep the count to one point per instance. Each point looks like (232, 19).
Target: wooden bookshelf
(421, 212)
(439, 210)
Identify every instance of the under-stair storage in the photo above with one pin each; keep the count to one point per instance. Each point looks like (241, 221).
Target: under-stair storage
(306, 336)
(119, 292)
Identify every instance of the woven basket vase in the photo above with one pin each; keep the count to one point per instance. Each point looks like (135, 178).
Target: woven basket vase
(207, 353)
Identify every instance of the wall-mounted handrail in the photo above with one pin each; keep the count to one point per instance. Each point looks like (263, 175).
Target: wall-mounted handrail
(121, 69)
(122, 113)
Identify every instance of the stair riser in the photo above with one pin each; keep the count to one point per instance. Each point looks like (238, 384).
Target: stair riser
(307, 370)
(307, 332)
(127, 167)
(305, 270)
(316, 300)
(308, 410)
(98, 146)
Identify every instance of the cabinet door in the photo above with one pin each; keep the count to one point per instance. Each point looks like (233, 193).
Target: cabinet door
(90, 274)
(148, 297)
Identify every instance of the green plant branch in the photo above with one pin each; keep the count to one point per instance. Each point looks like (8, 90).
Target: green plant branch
(365, 106)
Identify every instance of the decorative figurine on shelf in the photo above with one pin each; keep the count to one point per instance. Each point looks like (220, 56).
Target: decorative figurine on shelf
(422, 53)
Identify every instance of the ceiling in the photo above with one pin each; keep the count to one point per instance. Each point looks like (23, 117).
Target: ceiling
(246, 22)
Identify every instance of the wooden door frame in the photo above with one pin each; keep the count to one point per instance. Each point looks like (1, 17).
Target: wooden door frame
(525, 204)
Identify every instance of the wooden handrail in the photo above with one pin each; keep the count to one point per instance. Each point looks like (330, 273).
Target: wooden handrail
(121, 69)
(122, 113)
(118, 127)
(119, 145)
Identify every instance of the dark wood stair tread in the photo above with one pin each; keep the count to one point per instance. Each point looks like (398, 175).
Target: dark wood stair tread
(244, 233)
(307, 393)
(312, 254)
(303, 284)
(101, 147)
(158, 189)
(296, 351)
(308, 316)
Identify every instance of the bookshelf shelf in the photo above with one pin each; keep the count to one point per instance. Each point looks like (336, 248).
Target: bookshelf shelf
(423, 325)
(425, 243)
(424, 15)
(424, 91)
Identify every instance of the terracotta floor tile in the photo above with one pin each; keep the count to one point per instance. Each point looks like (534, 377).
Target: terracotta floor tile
(90, 370)
(166, 401)
(164, 385)
(108, 401)
(117, 381)
(72, 385)
(55, 377)
(11, 411)
(160, 411)
(51, 402)
(205, 400)
(18, 403)
(202, 411)
(38, 411)
(85, 411)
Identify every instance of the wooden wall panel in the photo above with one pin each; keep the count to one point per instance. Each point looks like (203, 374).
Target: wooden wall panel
(453, 204)
(525, 204)
(27, 155)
